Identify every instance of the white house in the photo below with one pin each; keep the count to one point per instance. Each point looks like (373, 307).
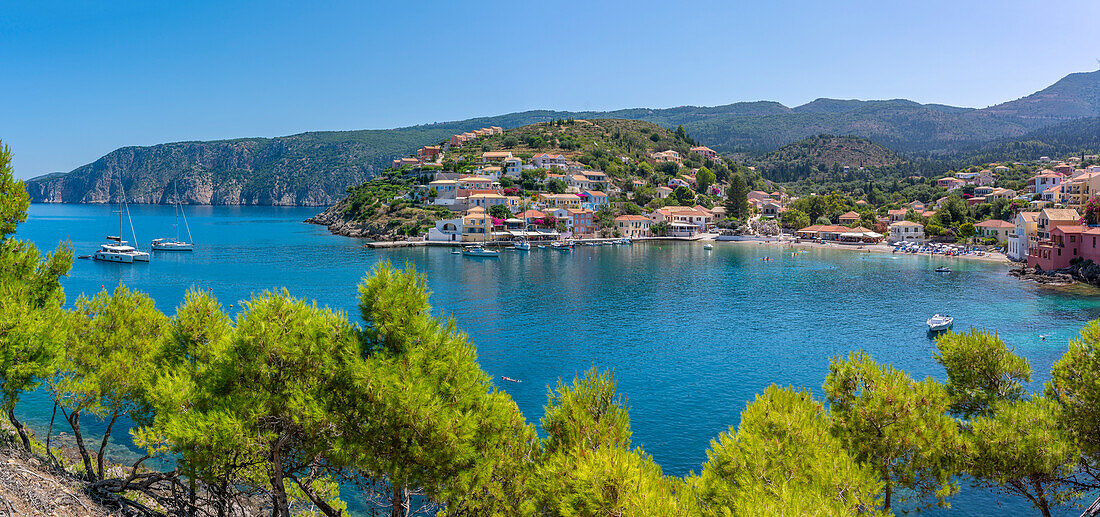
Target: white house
(446, 230)
(512, 166)
(546, 161)
(907, 231)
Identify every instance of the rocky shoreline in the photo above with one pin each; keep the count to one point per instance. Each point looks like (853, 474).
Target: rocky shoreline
(1067, 276)
(383, 227)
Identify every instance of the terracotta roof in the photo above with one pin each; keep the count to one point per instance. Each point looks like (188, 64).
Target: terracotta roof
(995, 223)
(1061, 214)
(850, 215)
(631, 218)
(901, 211)
(907, 223)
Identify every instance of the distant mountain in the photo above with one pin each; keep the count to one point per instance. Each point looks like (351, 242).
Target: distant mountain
(311, 169)
(1074, 96)
(1081, 136)
(315, 168)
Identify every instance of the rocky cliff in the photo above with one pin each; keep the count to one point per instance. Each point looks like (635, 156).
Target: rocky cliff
(280, 171)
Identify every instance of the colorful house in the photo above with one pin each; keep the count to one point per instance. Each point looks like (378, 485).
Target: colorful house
(996, 229)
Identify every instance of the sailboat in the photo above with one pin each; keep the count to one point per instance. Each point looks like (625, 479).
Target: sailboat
(116, 249)
(168, 244)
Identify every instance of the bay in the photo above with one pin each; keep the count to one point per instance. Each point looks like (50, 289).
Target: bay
(692, 335)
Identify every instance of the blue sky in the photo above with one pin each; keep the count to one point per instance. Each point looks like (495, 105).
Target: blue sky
(81, 79)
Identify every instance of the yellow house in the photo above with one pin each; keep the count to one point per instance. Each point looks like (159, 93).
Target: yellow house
(560, 200)
(1080, 189)
(477, 225)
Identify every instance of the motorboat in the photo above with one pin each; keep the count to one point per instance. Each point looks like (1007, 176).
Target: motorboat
(708, 246)
(479, 251)
(522, 245)
(625, 240)
(943, 269)
(940, 322)
(561, 246)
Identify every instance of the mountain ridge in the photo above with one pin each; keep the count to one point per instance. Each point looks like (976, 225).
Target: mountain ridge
(316, 167)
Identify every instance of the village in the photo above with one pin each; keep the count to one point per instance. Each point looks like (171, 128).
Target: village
(1046, 229)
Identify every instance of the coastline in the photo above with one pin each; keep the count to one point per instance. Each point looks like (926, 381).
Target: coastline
(996, 258)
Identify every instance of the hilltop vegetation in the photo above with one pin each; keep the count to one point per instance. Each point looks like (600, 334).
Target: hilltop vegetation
(822, 153)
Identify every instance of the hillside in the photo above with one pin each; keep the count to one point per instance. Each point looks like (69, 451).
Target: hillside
(1074, 96)
(824, 153)
(315, 168)
(586, 141)
(1075, 137)
(312, 169)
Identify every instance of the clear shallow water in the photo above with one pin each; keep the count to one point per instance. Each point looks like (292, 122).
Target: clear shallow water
(692, 335)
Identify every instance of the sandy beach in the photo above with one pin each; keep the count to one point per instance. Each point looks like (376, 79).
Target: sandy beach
(867, 248)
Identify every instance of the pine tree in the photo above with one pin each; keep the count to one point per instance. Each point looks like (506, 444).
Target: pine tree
(737, 200)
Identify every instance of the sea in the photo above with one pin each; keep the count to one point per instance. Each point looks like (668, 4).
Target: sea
(692, 335)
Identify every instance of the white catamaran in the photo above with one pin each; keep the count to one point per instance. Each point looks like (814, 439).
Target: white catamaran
(116, 249)
(169, 244)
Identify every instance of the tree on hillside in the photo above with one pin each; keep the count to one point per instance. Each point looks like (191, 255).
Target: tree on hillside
(32, 322)
(981, 370)
(784, 459)
(794, 218)
(683, 196)
(590, 466)
(897, 426)
(1075, 384)
(556, 185)
(703, 180)
(737, 202)
(500, 212)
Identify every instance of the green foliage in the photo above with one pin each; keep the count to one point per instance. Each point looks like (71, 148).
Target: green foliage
(737, 203)
(33, 326)
(966, 230)
(795, 218)
(783, 460)
(704, 179)
(1021, 449)
(500, 212)
(895, 426)
(1092, 210)
(1075, 384)
(981, 370)
(13, 196)
(556, 186)
(589, 466)
(115, 337)
(683, 196)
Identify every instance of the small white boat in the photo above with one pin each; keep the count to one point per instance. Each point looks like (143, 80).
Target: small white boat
(940, 322)
(943, 269)
(479, 251)
(166, 244)
(170, 244)
(561, 246)
(456, 252)
(708, 246)
(522, 246)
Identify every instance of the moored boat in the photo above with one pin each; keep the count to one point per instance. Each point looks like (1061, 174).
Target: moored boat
(943, 269)
(522, 245)
(479, 251)
(940, 322)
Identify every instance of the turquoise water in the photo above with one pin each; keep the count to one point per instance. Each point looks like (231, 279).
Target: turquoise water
(692, 335)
